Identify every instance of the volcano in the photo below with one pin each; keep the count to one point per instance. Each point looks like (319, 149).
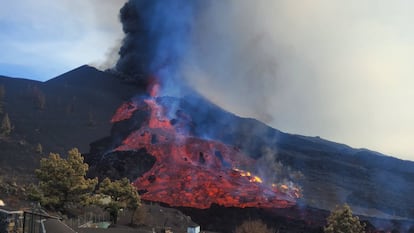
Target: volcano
(188, 152)
(191, 170)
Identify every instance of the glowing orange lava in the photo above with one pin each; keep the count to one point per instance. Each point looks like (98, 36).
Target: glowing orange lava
(195, 172)
(124, 112)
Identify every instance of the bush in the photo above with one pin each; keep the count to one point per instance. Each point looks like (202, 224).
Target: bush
(341, 220)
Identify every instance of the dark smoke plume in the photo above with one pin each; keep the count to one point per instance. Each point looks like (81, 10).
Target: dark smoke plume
(216, 47)
(156, 35)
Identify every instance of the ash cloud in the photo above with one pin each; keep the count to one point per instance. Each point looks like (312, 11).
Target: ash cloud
(318, 68)
(157, 34)
(201, 43)
(322, 68)
(231, 59)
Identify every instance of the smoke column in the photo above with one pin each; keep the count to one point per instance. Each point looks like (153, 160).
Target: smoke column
(157, 35)
(200, 43)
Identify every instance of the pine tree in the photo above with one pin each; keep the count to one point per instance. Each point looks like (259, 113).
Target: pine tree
(341, 220)
(62, 182)
(122, 195)
(6, 127)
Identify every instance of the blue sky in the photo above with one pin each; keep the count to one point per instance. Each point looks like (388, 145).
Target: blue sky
(342, 69)
(42, 39)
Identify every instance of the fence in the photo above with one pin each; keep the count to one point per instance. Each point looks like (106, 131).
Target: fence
(87, 218)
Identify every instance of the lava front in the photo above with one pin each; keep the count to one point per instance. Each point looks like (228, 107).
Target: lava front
(195, 172)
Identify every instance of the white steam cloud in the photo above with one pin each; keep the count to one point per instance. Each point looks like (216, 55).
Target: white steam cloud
(338, 69)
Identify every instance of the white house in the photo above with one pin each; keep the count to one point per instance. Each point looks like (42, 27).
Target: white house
(193, 229)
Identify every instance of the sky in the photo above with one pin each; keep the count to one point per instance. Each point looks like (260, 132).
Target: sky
(42, 39)
(341, 70)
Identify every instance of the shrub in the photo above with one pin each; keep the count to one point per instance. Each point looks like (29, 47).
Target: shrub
(341, 220)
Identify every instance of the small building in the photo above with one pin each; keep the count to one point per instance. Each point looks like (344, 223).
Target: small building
(193, 229)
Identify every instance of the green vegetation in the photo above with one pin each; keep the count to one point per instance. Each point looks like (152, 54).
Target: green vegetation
(62, 182)
(256, 226)
(63, 185)
(341, 220)
(121, 194)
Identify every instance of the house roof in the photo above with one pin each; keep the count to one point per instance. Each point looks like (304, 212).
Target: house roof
(55, 225)
(10, 211)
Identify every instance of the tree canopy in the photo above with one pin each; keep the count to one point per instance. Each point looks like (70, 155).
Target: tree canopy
(122, 194)
(341, 220)
(62, 181)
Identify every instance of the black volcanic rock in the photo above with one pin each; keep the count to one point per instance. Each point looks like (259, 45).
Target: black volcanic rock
(117, 165)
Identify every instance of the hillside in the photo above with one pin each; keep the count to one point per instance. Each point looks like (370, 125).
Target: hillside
(68, 111)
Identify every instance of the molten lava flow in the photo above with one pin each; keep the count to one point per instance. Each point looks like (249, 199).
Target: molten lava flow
(153, 86)
(249, 175)
(195, 172)
(157, 119)
(124, 112)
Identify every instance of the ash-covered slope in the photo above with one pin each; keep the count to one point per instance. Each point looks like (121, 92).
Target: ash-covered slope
(68, 111)
(332, 173)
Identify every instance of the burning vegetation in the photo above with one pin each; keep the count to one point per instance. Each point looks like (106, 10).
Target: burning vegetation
(192, 171)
